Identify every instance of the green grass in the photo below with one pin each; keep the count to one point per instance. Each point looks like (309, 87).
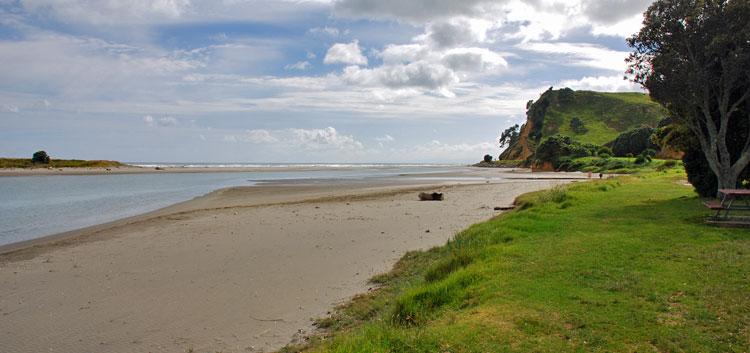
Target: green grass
(605, 115)
(619, 165)
(622, 265)
(57, 163)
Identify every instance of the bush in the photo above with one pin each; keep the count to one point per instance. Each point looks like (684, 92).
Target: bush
(605, 155)
(487, 158)
(577, 126)
(554, 148)
(604, 150)
(633, 142)
(40, 157)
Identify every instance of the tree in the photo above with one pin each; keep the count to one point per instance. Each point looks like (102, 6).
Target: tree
(40, 157)
(578, 126)
(694, 58)
(488, 158)
(509, 136)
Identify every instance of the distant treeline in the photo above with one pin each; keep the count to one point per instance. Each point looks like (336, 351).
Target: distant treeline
(57, 163)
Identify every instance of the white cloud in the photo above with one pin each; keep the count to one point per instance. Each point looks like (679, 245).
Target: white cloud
(10, 108)
(580, 54)
(417, 74)
(113, 12)
(300, 65)
(457, 32)
(473, 60)
(257, 136)
(603, 84)
(343, 53)
(327, 138)
(385, 138)
(305, 139)
(527, 20)
(166, 121)
(329, 31)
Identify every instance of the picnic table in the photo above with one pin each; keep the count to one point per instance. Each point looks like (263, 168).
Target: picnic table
(731, 200)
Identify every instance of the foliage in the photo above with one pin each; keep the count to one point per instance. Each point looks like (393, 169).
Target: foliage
(509, 136)
(694, 59)
(603, 115)
(622, 265)
(555, 148)
(487, 158)
(40, 157)
(604, 150)
(633, 142)
(613, 165)
(57, 163)
(699, 174)
(577, 126)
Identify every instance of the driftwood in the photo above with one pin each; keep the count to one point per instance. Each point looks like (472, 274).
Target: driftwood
(505, 208)
(435, 196)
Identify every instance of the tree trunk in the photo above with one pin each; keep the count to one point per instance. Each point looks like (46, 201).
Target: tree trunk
(727, 180)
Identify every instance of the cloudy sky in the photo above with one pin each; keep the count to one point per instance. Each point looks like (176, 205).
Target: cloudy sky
(294, 80)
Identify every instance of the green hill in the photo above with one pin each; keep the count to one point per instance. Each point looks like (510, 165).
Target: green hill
(601, 117)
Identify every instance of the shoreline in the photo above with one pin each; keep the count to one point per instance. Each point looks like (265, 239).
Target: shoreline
(238, 269)
(15, 172)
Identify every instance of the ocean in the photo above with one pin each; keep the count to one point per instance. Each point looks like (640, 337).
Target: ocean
(37, 206)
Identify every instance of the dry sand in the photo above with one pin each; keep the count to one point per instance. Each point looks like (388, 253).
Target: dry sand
(239, 270)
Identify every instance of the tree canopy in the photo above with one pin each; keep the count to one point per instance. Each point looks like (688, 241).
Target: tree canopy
(694, 58)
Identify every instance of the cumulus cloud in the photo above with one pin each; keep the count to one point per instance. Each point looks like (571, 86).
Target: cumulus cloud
(345, 53)
(457, 32)
(417, 74)
(529, 20)
(474, 60)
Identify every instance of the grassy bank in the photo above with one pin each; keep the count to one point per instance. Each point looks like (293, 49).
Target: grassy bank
(57, 163)
(620, 265)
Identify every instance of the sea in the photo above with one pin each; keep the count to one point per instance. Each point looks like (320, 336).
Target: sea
(36, 206)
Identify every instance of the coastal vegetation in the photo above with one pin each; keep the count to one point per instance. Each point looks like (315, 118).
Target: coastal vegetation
(617, 265)
(26, 163)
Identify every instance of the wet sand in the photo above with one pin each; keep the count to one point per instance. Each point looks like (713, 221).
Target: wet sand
(238, 270)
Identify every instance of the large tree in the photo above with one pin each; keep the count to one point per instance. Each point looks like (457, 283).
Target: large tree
(694, 58)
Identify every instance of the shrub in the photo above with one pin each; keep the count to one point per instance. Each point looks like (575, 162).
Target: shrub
(605, 155)
(554, 148)
(633, 142)
(577, 126)
(487, 158)
(604, 150)
(40, 157)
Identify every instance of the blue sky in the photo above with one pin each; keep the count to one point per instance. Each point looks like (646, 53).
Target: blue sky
(294, 80)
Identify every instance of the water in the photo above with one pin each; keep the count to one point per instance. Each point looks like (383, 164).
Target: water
(36, 206)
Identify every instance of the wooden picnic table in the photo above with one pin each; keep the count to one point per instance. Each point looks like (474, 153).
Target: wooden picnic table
(731, 200)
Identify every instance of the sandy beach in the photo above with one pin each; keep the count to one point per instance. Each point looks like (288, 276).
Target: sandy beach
(238, 270)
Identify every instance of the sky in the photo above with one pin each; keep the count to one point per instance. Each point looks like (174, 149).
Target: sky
(330, 81)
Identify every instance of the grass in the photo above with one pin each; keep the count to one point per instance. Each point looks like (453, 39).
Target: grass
(605, 115)
(619, 165)
(57, 163)
(620, 265)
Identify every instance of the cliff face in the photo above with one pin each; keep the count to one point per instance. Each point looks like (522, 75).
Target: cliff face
(586, 116)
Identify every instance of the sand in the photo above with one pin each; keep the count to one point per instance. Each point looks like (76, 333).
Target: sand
(239, 270)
